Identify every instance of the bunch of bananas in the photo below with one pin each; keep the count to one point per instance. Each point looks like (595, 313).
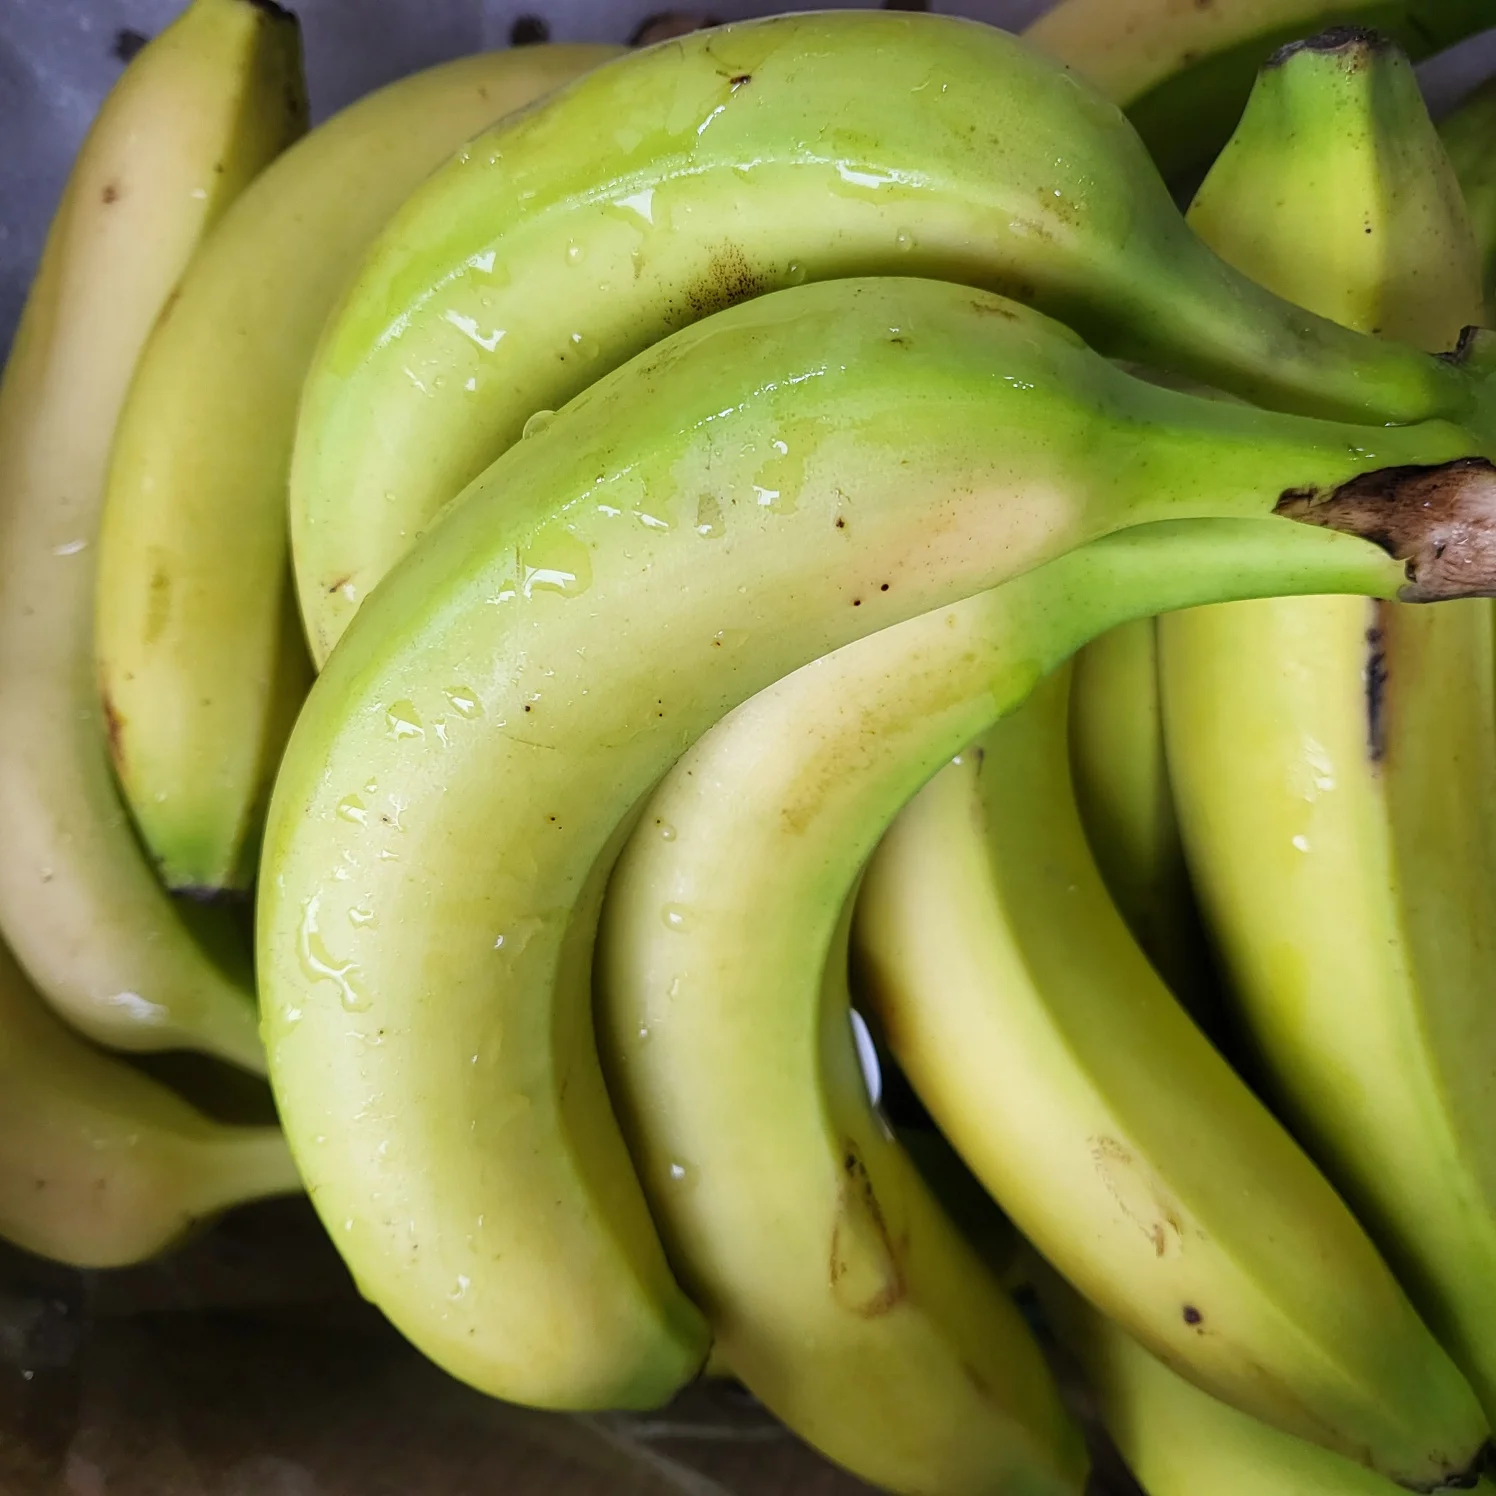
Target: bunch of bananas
(628, 555)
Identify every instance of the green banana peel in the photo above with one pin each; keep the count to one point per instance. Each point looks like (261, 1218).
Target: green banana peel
(748, 494)
(737, 161)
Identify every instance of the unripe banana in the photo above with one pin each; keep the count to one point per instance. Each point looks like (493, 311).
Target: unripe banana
(1184, 71)
(194, 117)
(750, 493)
(736, 161)
(1334, 761)
(1469, 136)
(99, 1165)
(200, 653)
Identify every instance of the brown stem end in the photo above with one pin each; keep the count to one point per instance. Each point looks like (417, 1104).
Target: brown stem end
(1439, 521)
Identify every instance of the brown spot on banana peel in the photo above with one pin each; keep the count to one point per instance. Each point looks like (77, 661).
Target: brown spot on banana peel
(114, 729)
(862, 1233)
(1438, 520)
(1376, 682)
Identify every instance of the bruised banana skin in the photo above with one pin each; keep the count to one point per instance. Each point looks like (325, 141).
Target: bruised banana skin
(741, 160)
(1469, 136)
(1033, 1030)
(745, 496)
(733, 1071)
(99, 1165)
(1353, 905)
(200, 653)
(1183, 72)
(192, 120)
(1176, 1439)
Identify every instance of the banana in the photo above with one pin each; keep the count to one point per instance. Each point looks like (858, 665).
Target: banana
(193, 118)
(748, 494)
(1176, 1439)
(1333, 760)
(101, 1166)
(1115, 1137)
(734, 1074)
(728, 163)
(1469, 136)
(200, 655)
(1122, 788)
(1184, 71)
(837, 1289)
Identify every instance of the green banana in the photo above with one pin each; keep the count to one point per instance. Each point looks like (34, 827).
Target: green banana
(1176, 1439)
(748, 494)
(1122, 788)
(736, 1083)
(101, 1166)
(200, 653)
(1469, 136)
(193, 118)
(1184, 71)
(732, 162)
(1333, 761)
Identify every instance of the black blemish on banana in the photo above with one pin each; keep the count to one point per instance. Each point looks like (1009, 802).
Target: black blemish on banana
(1438, 520)
(1359, 43)
(1376, 683)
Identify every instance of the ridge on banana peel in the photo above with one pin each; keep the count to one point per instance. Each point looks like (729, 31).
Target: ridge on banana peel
(1175, 1439)
(1338, 797)
(190, 122)
(199, 647)
(748, 494)
(723, 1028)
(1183, 72)
(1469, 136)
(734, 162)
(101, 1166)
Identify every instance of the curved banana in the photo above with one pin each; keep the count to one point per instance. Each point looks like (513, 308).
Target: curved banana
(1334, 761)
(1469, 136)
(735, 161)
(1176, 1439)
(1122, 788)
(1183, 72)
(200, 654)
(1115, 1137)
(905, 1360)
(750, 493)
(99, 1165)
(733, 1071)
(194, 117)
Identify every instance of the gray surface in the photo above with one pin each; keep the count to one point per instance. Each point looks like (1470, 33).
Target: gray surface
(57, 59)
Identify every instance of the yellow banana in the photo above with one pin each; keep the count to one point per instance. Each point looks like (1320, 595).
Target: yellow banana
(200, 653)
(194, 117)
(99, 1165)
(1334, 761)
(1469, 136)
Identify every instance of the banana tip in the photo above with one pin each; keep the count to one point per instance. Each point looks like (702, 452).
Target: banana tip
(1439, 521)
